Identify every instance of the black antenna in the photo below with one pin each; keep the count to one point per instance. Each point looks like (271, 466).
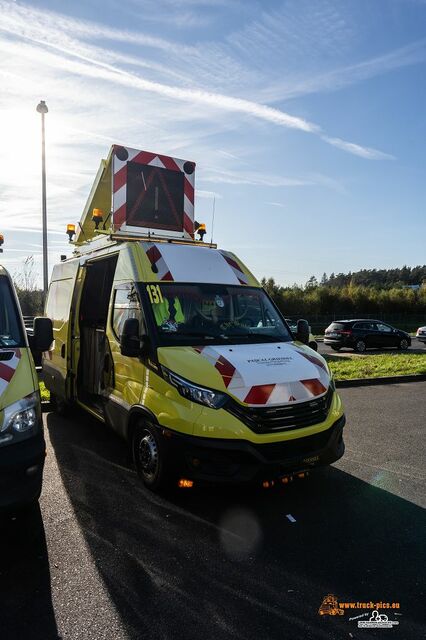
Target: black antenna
(82, 230)
(214, 207)
(106, 220)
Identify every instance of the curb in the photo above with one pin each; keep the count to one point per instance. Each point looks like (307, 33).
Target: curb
(367, 382)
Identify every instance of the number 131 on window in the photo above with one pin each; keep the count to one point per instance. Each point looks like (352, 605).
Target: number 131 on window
(154, 293)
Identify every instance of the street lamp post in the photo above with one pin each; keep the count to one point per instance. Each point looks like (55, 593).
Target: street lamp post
(42, 108)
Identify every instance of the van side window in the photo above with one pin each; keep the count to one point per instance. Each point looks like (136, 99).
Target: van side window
(126, 305)
(59, 300)
(10, 326)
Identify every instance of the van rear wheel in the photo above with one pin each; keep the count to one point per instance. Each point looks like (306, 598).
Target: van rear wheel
(149, 456)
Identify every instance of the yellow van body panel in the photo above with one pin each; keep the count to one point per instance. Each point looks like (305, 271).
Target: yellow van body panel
(23, 381)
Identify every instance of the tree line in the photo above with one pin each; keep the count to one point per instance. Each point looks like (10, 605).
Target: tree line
(348, 298)
(379, 278)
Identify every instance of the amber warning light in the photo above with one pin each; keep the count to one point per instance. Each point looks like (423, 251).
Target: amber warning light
(97, 217)
(70, 231)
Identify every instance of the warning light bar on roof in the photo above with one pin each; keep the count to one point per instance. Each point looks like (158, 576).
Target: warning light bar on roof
(152, 194)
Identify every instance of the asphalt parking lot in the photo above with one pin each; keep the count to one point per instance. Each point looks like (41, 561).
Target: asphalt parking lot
(105, 559)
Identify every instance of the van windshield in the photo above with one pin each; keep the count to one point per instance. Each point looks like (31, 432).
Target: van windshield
(188, 314)
(10, 324)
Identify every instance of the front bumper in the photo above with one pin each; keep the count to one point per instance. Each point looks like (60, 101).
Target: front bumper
(21, 471)
(421, 338)
(211, 460)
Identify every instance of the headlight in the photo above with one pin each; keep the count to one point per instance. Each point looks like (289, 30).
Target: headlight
(194, 393)
(22, 417)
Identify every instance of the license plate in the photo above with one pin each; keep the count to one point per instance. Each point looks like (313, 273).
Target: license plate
(333, 335)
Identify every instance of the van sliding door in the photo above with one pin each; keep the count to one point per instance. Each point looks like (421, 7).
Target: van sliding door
(91, 344)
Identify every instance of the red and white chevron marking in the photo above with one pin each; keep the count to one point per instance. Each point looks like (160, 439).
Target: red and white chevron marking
(242, 278)
(8, 368)
(119, 185)
(155, 257)
(265, 394)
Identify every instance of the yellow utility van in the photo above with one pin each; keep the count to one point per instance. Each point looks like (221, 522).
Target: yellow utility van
(22, 447)
(175, 344)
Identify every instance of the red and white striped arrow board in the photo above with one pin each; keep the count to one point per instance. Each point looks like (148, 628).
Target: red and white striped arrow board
(152, 194)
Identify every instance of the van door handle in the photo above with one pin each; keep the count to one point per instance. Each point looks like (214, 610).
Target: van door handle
(63, 351)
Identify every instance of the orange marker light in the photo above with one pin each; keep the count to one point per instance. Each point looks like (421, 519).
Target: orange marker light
(97, 217)
(70, 231)
(1, 239)
(185, 484)
(201, 230)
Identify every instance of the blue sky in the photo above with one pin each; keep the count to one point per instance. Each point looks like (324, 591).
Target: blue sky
(306, 120)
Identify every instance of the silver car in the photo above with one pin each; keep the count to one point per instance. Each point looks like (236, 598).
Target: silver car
(421, 334)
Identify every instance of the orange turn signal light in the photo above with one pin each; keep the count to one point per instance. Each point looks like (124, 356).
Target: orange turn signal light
(184, 483)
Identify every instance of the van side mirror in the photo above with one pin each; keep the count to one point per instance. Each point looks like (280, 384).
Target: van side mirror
(302, 333)
(42, 334)
(130, 341)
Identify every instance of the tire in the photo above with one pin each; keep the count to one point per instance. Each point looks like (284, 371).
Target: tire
(336, 348)
(403, 344)
(149, 457)
(360, 346)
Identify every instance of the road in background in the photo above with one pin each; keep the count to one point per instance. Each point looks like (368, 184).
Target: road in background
(106, 559)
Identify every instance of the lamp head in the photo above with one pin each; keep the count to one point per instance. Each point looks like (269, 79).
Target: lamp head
(42, 107)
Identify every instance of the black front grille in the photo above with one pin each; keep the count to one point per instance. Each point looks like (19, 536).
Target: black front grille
(283, 417)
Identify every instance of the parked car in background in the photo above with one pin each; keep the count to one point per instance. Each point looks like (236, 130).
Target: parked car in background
(293, 328)
(421, 334)
(365, 334)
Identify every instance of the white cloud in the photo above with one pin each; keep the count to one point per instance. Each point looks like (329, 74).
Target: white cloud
(210, 195)
(358, 150)
(92, 67)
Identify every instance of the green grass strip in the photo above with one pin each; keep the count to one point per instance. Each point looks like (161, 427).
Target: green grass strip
(377, 366)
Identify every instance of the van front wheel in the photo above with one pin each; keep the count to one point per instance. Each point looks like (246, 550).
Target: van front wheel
(149, 456)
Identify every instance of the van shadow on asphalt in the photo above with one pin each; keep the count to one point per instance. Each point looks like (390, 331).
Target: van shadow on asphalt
(26, 609)
(228, 562)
